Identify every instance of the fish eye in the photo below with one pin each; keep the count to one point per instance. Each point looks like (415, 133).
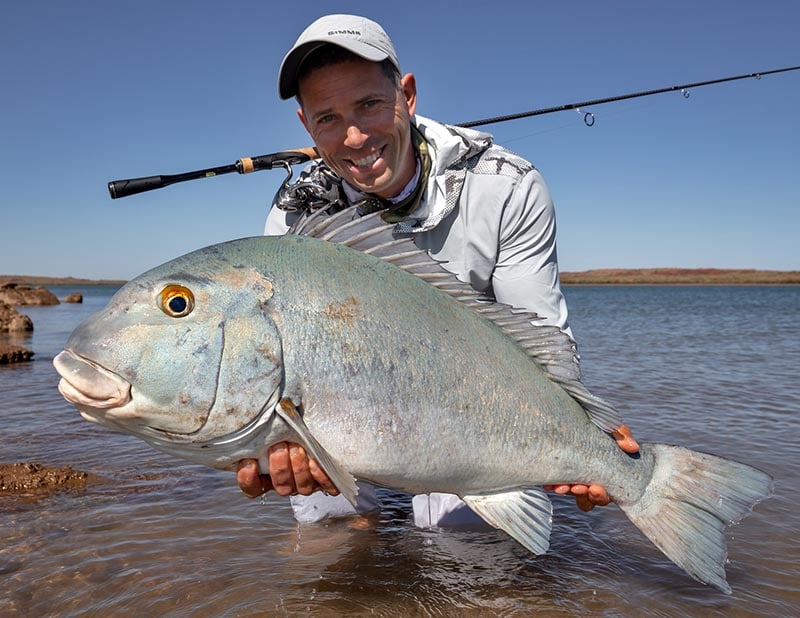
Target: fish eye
(176, 301)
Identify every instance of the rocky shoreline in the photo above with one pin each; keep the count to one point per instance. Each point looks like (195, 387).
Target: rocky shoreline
(14, 294)
(31, 479)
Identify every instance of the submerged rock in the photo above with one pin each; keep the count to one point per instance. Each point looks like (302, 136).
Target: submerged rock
(15, 294)
(75, 297)
(12, 321)
(14, 354)
(35, 477)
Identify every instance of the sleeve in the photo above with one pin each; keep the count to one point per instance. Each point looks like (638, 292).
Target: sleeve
(526, 274)
(278, 221)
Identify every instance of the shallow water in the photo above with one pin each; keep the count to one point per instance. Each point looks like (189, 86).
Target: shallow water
(711, 368)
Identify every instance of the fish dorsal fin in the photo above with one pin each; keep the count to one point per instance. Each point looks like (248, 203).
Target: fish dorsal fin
(548, 346)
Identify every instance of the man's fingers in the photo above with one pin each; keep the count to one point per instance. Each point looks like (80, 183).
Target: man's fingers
(559, 489)
(280, 469)
(598, 495)
(625, 440)
(586, 496)
(584, 503)
(291, 472)
(589, 497)
(303, 480)
(322, 479)
(578, 490)
(250, 481)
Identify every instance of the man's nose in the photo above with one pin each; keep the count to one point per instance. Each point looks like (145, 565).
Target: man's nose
(355, 137)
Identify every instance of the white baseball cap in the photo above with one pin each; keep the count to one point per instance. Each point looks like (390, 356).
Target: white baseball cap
(360, 35)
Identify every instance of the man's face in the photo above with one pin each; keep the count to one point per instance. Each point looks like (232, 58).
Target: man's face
(360, 122)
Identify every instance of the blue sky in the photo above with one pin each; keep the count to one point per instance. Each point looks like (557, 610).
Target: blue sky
(94, 91)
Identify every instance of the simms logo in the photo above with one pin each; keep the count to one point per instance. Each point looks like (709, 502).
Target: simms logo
(335, 32)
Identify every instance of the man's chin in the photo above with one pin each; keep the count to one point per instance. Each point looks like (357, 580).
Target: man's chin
(378, 187)
(375, 181)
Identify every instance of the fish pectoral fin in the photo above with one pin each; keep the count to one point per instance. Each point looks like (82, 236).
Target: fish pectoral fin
(344, 481)
(527, 515)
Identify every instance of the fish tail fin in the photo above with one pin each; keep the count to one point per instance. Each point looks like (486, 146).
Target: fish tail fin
(690, 500)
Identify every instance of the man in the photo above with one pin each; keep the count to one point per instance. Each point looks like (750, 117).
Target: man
(482, 210)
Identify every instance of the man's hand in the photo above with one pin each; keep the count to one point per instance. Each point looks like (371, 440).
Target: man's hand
(589, 496)
(625, 439)
(586, 496)
(291, 472)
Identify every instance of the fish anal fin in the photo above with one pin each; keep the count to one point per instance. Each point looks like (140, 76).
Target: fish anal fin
(526, 515)
(344, 481)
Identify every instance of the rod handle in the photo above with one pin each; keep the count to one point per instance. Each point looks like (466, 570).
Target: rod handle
(245, 165)
(131, 186)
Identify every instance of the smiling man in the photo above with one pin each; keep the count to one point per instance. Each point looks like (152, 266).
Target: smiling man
(359, 121)
(483, 211)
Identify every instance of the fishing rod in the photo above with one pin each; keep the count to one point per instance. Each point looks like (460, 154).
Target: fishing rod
(589, 117)
(288, 158)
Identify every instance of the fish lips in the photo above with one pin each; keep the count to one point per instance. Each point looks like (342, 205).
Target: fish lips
(105, 398)
(98, 394)
(87, 384)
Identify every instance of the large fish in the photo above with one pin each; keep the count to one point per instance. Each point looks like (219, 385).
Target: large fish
(388, 369)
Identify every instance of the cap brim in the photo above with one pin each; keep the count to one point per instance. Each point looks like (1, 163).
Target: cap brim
(287, 80)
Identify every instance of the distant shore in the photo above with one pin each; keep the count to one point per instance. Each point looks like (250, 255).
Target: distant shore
(36, 281)
(681, 276)
(605, 276)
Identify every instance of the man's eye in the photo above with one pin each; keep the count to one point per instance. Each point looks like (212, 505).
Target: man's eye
(325, 119)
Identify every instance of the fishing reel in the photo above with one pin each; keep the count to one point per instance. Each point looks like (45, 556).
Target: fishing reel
(316, 187)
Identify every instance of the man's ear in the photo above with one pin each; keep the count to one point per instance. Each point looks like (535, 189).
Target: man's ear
(409, 85)
(302, 118)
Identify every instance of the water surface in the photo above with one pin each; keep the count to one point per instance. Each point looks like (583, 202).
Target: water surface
(711, 368)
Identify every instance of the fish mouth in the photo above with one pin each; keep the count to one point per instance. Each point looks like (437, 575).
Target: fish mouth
(106, 398)
(84, 383)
